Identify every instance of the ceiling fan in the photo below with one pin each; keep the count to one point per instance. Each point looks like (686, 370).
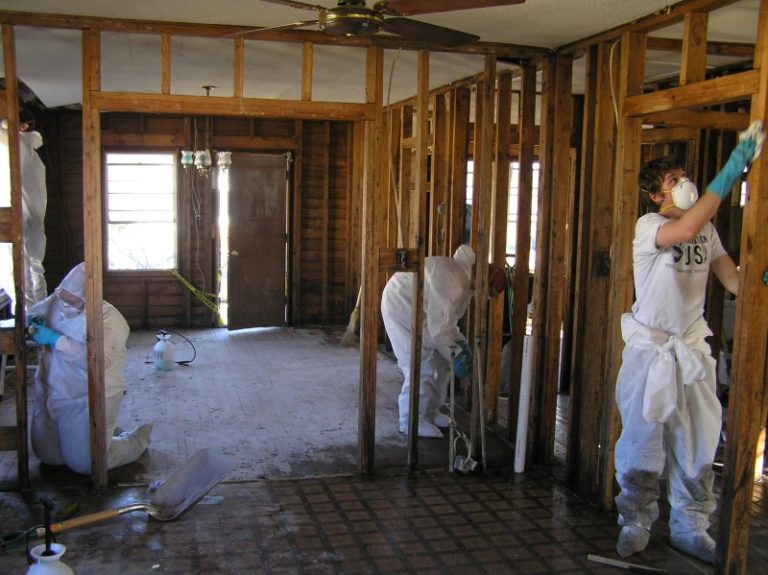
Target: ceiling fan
(354, 18)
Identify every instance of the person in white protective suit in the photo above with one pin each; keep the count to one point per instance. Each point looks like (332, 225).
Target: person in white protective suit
(34, 203)
(60, 424)
(665, 388)
(447, 293)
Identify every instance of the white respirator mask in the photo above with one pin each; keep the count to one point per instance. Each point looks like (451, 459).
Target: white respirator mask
(684, 194)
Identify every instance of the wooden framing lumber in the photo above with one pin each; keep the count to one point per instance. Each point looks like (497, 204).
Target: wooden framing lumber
(734, 49)
(558, 257)
(747, 405)
(250, 32)
(369, 305)
(498, 239)
(417, 299)
(526, 138)
(694, 57)
(231, 106)
(715, 91)
(700, 119)
(661, 19)
(625, 208)
(482, 204)
(18, 437)
(541, 278)
(92, 219)
(460, 107)
(593, 245)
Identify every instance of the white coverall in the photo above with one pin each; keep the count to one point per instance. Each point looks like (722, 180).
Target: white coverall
(665, 389)
(34, 203)
(447, 292)
(60, 425)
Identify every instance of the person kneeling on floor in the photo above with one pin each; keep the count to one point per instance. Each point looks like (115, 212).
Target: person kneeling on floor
(60, 424)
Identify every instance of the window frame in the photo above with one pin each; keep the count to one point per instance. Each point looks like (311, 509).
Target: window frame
(177, 211)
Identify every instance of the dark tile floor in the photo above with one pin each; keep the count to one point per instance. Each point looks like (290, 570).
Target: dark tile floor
(429, 523)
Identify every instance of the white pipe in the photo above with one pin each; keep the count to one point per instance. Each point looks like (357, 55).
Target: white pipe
(451, 420)
(524, 405)
(481, 401)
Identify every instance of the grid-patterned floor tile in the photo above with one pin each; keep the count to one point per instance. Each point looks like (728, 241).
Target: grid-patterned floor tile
(442, 524)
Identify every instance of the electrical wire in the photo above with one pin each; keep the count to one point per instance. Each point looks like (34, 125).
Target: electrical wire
(392, 178)
(610, 73)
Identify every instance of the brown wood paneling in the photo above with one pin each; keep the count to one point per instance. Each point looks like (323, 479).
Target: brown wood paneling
(324, 222)
(198, 195)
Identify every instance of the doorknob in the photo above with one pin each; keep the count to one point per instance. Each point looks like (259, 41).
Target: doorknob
(234, 253)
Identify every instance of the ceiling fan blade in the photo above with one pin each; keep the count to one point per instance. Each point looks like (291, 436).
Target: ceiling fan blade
(416, 30)
(413, 7)
(294, 4)
(255, 31)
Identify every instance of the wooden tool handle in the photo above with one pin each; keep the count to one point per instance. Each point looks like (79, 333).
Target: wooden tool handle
(80, 521)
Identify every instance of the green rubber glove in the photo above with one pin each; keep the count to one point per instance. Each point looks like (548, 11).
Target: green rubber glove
(733, 168)
(45, 335)
(462, 363)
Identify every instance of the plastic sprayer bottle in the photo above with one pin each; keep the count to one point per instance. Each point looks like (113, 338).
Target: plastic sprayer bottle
(163, 352)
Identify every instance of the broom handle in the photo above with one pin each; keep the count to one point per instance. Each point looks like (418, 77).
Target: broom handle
(359, 296)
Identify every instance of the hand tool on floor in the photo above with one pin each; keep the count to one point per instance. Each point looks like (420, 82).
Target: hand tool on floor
(463, 463)
(185, 487)
(624, 565)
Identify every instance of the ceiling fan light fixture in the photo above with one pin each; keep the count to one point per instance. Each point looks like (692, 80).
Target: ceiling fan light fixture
(350, 20)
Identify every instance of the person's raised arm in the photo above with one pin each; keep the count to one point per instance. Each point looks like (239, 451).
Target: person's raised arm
(685, 227)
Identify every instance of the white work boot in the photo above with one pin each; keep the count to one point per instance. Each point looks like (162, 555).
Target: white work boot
(632, 539)
(426, 429)
(441, 420)
(696, 543)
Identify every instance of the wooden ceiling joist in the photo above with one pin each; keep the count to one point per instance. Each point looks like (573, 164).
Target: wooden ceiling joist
(661, 19)
(255, 33)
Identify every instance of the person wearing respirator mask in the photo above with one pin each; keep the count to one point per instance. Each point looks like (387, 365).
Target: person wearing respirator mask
(59, 431)
(665, 389)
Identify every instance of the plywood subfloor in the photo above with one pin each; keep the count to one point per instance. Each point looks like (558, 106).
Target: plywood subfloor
(283, 402)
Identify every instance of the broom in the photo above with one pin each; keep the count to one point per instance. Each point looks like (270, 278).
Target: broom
(348, 339)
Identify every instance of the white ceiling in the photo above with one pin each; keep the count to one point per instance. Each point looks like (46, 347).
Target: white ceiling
(48, 60)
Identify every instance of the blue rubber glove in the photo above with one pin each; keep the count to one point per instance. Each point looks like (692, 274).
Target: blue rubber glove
(45, 335)
(733, 168)
(462, 363)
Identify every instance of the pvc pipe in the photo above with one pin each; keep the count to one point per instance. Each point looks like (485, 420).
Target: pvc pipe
(523, 407)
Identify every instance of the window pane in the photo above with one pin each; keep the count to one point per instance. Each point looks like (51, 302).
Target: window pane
(142, 246)
(141, 211)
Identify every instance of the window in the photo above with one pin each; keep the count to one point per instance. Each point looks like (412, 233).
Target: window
(514, 188)
(141, 211)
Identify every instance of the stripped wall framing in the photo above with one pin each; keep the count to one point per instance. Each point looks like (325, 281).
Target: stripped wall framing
(587, 208)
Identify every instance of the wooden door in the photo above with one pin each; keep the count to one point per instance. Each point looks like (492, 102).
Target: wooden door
(258, 185)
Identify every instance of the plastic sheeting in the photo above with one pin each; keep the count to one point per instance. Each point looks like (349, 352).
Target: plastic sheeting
(34, 203)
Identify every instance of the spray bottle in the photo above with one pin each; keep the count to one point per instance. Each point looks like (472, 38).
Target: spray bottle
(163, 352)
(47, 557)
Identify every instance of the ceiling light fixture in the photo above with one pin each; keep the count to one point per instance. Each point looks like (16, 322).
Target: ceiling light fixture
(202, 159)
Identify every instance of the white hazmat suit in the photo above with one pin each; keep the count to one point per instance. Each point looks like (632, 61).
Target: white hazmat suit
(447, 293)
(665, 389)
(60, 424)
